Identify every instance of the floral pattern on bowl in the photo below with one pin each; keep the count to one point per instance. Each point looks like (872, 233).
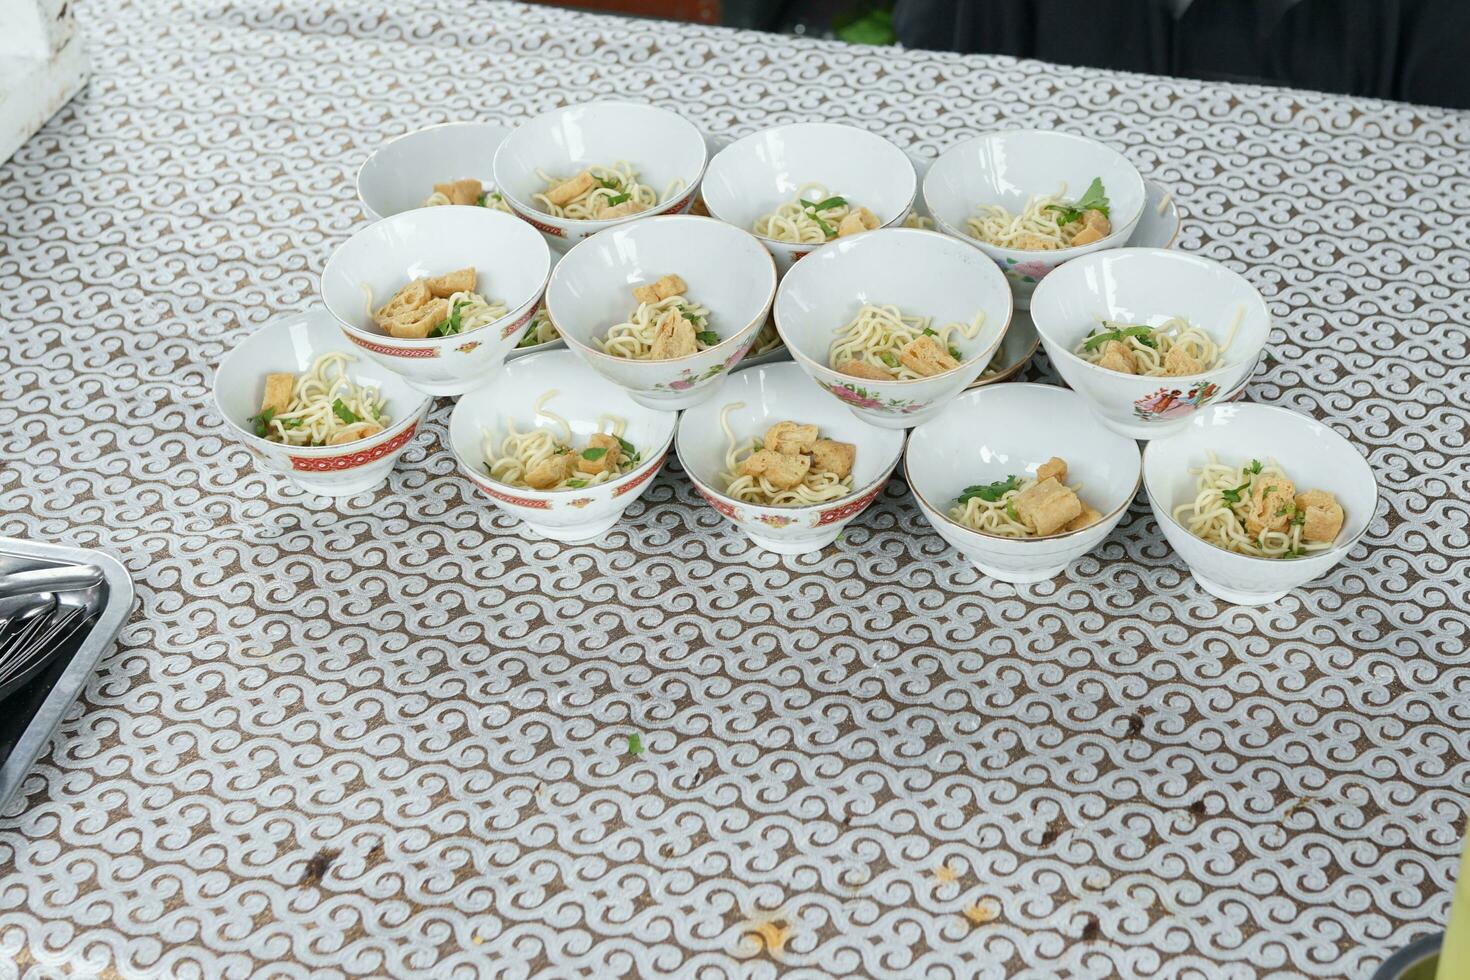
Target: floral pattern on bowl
(468, 347)
(692, 377)
(859, 397)
(1168, 404)
(1031, 271)
(775, 520)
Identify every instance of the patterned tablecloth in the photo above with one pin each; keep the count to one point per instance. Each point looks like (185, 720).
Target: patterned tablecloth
(389, 735)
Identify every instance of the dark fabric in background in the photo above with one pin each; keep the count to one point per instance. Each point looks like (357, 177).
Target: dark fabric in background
(1413, 50)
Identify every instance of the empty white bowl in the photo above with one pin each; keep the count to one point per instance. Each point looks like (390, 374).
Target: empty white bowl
(1148, 286)
(582, 396)
(512, 264)
(1008, 168)
(725, 269)
(1314, 457)
(662, 146)
(292, 343)
(758, 173)
(401, 173)
(923, 273)
(993, 433)
(771, 393)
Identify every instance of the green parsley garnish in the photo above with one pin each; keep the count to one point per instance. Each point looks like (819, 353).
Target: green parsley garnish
(480, 201)
(954, 352)
(707, 337)
(1093, 199)
(449, 326)
(887, 358)
(930, 332)
(635, 744)
(812, 207)
(262, 421)
(1144, 335)
(576, 484)
(1254, 467)
(344, 413)
(617, 199)
(291, 423)
(609, 183)
(1011, 511)
(1233, 496)
(990, 492)
(594, 454)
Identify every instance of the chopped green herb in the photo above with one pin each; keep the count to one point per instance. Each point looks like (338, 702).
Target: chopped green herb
(377, 412)
(610, 184)
(291, 423)
(1254, 467)
(1092, 199)
(635, 744)
(562, 450)
(887, 358)
(594, 454)
(576, 484)
(480, 201)
(628, 447)
(930, 332)
(1144, 335)
(1011, 511)
(344, 413)
(990, 492)
(496, 195)
(954, 352)
(1233, 496)
(707, 337)
(617, 199)
(689, 315)
(262, 421)
(449, 326)
(827, 205)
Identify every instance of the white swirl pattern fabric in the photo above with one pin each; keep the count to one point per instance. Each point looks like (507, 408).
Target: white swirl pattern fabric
(388, 736)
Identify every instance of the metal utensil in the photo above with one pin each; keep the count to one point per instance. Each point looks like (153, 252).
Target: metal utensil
(62, 578)
(28, 642)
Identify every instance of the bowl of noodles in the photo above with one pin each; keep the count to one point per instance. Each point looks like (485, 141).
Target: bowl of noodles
(1033, 200)
(558, 446)
(800, 186)
(1020, 479)
(664, 307)
(1258, 500)
(438, 295)
(895, 323)
(438, 165)
(313, 408)
(578, 170)
(1149, 336)
(783, 462)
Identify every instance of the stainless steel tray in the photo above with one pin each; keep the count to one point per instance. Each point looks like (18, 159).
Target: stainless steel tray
(30, 716)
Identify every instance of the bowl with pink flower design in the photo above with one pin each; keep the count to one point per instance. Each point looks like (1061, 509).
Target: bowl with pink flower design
(724, 269)
(922, 273)
(1007, 169)
(748, 404)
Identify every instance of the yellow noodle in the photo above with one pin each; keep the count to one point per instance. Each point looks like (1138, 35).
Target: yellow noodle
(878, 333)
(1209, 517)
(585, 206)
(633, 338)
(816, 488)
(510, 458)
(310, 419)
(794, 223)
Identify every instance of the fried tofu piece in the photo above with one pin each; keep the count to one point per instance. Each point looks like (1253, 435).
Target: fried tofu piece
(354, 432)
(1036, 243)
(416, 324)
(1321, 513)
(829, 456)
(1090, 515)
(1116, 357)
(673, 336)
(458, 281)
(857, 221)
(1047, 506)
(605, 213)
(608, 461)
(862, 369)
(1095, 227)
(923, 355)
(780, 470)
(406, 300)
(571, 188)
(1271, 502)
(670, 285)
(550, 471)
(465, 191)
(1056, 467)
(278, 388)
(790, 437)
(1180, 361)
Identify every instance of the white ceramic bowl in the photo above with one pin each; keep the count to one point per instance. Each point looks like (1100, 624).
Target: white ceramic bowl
(992, 433)
(662, 147)
(1313, 455)
(510, 258)
(726, 270)
(401, 173)
(920, 272)
(582, 396)
(753, 176)
(771, 393)
(1148, 286)
(292, 343)
(1007, 168)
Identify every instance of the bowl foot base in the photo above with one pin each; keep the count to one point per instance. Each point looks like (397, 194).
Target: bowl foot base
(448, 389)
(1144, 431)
(1236, 596)
(575, 534)
(341, 489)
(1017, 577)
(782, 546)
(676, 401)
